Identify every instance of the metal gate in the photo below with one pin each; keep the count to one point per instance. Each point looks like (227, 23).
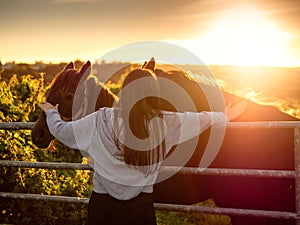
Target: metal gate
(279, 174)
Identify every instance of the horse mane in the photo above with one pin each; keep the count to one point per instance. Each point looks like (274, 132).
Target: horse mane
(66, 80)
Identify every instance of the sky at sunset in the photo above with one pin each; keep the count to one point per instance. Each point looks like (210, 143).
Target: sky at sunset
(223, 32)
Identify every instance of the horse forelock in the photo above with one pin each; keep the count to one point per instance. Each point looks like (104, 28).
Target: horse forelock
(65, 82)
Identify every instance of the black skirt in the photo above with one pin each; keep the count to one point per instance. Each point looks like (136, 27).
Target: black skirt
(106, 210)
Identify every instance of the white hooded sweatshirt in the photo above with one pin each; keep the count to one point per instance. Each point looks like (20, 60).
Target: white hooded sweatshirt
(94, 135)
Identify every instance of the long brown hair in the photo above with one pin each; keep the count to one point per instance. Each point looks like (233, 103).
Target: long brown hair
(141, 121)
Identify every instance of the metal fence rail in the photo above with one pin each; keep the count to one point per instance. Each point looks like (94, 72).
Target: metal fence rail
(288, 174)
(264, 124)
(163, 206)
(280, 174)
(16, 125)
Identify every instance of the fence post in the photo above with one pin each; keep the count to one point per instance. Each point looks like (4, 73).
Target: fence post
(297, 171)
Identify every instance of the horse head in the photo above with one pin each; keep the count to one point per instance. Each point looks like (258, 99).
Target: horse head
(63, 89)
(189, 85)
(197, 94)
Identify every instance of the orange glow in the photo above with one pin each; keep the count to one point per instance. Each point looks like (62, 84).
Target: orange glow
(243, 37)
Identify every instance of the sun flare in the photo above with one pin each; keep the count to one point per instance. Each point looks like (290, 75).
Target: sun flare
(244, 37)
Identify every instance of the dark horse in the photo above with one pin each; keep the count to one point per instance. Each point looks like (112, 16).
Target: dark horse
(62, 91)
(242, 148)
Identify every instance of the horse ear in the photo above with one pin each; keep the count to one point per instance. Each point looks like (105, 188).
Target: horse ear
(69, 66)
(150, 65)
(85, 70)
(143, 66)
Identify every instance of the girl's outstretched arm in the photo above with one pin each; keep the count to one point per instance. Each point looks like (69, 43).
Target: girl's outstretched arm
(74, 134)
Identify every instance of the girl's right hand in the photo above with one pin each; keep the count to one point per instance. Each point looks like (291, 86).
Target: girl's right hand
(235, 111)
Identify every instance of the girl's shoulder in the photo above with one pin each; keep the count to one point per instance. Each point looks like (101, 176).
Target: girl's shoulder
(105, 113)
(167, 112)
(106, 110)
(170, 117)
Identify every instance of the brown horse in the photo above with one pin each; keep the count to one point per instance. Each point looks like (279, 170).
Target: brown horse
(63, 89)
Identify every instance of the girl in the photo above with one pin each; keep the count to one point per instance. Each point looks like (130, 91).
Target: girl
(128, 143)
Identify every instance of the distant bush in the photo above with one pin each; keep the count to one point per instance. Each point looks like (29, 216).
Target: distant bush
(19, 102)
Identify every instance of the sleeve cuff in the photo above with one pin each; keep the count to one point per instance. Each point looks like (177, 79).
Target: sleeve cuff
(51, 111)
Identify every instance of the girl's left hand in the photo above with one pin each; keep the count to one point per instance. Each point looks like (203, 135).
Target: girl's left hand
(46, 106)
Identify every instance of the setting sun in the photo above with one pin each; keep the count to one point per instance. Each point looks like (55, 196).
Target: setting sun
(251, 33)
(242, 36)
